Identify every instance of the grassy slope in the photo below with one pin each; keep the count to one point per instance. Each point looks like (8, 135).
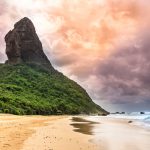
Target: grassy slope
(31, 89)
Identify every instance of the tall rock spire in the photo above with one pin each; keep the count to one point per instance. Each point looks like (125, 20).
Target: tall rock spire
(23, 45)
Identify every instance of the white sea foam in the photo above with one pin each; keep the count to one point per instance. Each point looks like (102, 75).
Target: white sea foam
(140, 119)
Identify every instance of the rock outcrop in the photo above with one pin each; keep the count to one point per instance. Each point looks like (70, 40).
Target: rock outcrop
(24, 46)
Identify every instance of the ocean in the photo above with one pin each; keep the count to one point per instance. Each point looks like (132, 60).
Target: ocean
(139, 119)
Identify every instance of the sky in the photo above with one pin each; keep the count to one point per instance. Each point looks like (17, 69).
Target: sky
(104, 45)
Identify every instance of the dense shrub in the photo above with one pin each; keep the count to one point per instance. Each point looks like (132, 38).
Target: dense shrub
(31, 89)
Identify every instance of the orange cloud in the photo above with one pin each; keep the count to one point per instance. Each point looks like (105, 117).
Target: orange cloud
(91, 30)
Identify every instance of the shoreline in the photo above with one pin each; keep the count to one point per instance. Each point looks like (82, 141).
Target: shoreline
(58, 133)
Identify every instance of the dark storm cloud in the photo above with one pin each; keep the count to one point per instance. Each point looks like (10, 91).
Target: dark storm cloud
(125, 76)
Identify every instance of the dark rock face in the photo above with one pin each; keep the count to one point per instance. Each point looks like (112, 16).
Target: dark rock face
(23, 45)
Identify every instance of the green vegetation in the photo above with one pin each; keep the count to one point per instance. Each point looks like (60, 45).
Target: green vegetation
(32, 89)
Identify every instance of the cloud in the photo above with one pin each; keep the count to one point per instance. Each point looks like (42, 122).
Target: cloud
(92, 29)
(2, 57)
(125, 75)
(103, 37)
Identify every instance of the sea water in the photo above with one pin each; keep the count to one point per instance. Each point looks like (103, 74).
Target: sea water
(137, 117)
(93, 123)
(113, 133)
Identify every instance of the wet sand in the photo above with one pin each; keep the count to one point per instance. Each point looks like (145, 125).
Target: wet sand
(59, 135)
(70, 133)
(119, 134)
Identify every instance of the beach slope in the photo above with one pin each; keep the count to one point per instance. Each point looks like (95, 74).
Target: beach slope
(57, 133)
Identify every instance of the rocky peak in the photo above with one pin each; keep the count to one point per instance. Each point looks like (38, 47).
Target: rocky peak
(23, 44)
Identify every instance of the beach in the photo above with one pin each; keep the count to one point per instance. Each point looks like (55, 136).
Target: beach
(71, 133)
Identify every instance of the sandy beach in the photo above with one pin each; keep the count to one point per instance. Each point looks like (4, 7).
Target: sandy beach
(70, 133)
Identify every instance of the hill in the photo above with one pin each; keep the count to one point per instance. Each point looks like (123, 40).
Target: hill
(31, 89)
(30, 85)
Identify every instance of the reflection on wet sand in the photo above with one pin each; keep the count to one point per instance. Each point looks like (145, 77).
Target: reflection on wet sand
(83, 126)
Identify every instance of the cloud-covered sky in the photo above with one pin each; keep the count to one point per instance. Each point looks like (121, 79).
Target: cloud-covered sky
(102, 44)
